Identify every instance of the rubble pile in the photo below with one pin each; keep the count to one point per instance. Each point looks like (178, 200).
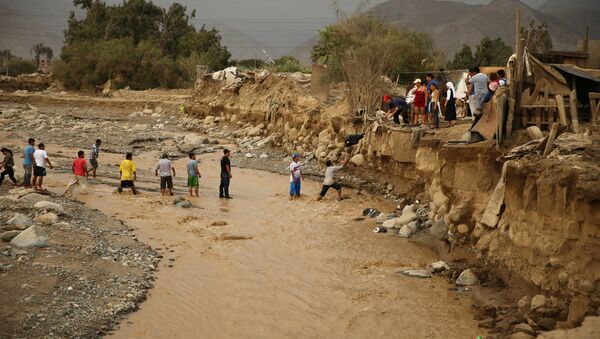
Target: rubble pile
(86, 269)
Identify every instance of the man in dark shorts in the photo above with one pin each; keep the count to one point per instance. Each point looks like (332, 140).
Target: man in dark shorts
(94, 153)
(128, 175)
(329, 181)
(225, 175)
(39, 169)
(164, 168)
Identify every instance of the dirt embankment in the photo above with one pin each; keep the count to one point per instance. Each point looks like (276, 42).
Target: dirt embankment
(543, 241)
(26, 83)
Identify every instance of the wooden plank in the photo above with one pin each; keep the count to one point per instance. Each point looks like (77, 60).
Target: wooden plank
(562, 113)
(551, 138)
(573, 107)
(537, 117)
(538, 106)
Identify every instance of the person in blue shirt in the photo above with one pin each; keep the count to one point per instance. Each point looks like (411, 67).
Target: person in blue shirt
(28, 162)
(396, 107)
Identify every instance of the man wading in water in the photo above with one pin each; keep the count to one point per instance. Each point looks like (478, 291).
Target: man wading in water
(225, 175)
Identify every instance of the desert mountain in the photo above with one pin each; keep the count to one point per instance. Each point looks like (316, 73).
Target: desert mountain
(577, 13)
(453, 23)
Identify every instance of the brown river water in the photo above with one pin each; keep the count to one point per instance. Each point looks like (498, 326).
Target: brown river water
(262, 266)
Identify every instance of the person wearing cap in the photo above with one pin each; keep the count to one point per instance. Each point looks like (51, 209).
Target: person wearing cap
(164, 168)
(396, 107)
(419, 102)
(295, 176)
(225, 175)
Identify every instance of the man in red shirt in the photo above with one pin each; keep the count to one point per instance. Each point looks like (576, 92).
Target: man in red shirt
(80, 174)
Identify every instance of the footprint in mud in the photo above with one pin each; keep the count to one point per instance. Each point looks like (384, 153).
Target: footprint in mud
(232, 237)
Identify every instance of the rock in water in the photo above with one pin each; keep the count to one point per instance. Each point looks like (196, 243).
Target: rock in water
(438, 230)
(439, 266)
(407, 231)
(383, 217)
(391, 223)
(20, 221)
(46, 219)
(358, 159)
(9, 235)
(467, 278)
(417, 273)
(406, 218)
(34, 236)
(184, 204)
(47, 205)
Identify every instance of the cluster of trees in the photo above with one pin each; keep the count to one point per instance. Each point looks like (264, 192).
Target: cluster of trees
(13, 66)
(136, 44)
(495, 52)
(367, 36)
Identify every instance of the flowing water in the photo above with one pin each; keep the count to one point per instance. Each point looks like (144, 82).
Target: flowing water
(262, 266)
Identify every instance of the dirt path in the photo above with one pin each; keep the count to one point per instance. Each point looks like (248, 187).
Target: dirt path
(277, 268)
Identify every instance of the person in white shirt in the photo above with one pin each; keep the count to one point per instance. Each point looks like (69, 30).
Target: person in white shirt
(295, 176)
(39, 170)
(329, 181)
(164, 169)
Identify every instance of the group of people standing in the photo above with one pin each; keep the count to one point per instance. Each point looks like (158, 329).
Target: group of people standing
(36, 161)
(423, 103)
(34, 165)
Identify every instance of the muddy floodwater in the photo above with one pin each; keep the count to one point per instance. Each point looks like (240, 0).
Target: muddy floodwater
(262, 266)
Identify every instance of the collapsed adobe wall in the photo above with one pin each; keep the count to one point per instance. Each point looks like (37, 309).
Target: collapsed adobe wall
(548, 235)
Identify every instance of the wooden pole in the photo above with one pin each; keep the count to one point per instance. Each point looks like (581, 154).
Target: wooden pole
(573, 107)
(560, 102)
(514, 102)
(551, 138)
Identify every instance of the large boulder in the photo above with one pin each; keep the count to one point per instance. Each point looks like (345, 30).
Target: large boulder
(20, 221)
(467, 278)
(34, 236)
(48, 205)
(358, 159)
(46, 219)
(439, 230)
(408, 230)
(34, 198)
(406, 218)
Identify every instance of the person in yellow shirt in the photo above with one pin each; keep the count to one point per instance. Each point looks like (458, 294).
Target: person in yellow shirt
(127, 172)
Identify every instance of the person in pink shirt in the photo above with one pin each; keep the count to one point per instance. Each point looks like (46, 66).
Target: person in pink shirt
(80, 174)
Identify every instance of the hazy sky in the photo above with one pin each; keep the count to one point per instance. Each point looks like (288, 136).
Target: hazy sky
(279, 25)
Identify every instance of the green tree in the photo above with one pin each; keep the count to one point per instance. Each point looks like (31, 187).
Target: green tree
(463, 58)
(492, 52)
(410, 51)
(137, 43)
(538, 38)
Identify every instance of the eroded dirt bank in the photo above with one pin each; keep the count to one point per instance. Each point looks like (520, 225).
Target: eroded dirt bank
(259, 265)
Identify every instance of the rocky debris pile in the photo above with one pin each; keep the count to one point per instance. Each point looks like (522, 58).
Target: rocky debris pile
(405, 222)
(34, 82)
(527, 318)
(67, 271)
